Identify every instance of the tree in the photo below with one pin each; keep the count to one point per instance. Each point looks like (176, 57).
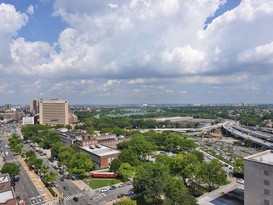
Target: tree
(65, 155)
(212, 174)
(30, 154)
(125, 171)
(11, 168)
(49, 138)
(55, 149)
(44, 170)
(239, 167)
(80, 163)
(141, 147)
(164, 160)
(186, 166)
(50, 177)
(177, 194)
(128, 156)
(115, 164)
(127, 202)
(123, 145)
(150, 179)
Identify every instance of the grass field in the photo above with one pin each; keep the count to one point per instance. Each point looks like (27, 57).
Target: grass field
(98, 183)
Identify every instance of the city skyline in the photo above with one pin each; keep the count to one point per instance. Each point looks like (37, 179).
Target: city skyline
(138, 51)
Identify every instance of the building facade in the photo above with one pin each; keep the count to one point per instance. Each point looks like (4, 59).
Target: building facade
(102, 156)
(34, 107)
(28, 120)
(53, 112)
(258, 179)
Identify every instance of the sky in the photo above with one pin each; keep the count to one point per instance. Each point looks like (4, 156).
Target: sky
(136, 51)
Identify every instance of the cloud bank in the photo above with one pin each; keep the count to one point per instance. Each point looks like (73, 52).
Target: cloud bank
(142, 51)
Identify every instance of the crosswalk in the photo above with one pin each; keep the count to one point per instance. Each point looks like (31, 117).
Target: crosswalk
(99, 196)
(72, 196)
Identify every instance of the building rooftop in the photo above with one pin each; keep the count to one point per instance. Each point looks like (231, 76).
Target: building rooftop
(6, 195)
(265, 157)
(4, 178)
(102, 151)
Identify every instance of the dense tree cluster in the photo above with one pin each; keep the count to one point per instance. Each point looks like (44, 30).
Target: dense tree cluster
(11, 168)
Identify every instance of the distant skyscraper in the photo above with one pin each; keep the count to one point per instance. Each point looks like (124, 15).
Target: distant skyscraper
(53, 112)
(34, 107)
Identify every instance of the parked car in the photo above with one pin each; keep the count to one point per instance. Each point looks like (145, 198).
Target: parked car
(103, 190)
(121, 195)
(121, 185)
(112, 187)
(130, 192)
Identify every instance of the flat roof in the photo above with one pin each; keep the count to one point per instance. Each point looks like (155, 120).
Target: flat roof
(7, 195)
(102, 151)
(4, 178)
(265, 157)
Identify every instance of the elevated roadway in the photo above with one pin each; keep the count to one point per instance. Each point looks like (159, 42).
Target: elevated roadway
(235, 129)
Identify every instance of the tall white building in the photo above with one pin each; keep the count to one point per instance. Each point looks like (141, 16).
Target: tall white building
(258, 177)
(53, 112)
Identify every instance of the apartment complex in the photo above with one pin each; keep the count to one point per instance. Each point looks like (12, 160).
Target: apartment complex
(258, 179)
(53, 112)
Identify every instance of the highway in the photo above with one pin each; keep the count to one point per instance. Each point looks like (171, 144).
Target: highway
(235, 129)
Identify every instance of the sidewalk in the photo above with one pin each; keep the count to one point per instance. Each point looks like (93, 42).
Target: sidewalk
(37, 182)
(83, 187)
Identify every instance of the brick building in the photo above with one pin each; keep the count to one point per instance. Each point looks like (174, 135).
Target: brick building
(102, 156)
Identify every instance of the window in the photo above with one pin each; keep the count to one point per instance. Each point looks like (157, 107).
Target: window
(266, 202)
(266, 192)
(266, 172)
(267, 182)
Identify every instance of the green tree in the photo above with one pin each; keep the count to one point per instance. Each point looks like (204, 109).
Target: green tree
(44, 170)
(186, 166)
(80, 163)
(55, 149)
(127, 202)
(150, 179)
(141, 147)
(11, 168)
(239, 166)
(128, 156)
(50, 177)
(123, 145)
(212, 174)
(164, 160)
(49, 138)
(125, 171)
(115, 164)
(177, 194)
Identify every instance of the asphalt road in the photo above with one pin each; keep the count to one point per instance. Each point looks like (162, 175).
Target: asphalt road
(31, 194)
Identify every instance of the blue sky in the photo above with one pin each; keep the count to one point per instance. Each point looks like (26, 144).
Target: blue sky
(136, 51)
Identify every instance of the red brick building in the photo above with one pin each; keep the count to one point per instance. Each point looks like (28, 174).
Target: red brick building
(102, 156)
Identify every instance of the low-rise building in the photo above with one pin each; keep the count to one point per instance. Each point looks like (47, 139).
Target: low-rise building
(28, 120)
(258, 178)
(101, 155)
(7, 195)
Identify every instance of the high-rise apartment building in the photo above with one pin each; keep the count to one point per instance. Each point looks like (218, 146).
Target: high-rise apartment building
(53, 112)
(34, 107)
(258, 179)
